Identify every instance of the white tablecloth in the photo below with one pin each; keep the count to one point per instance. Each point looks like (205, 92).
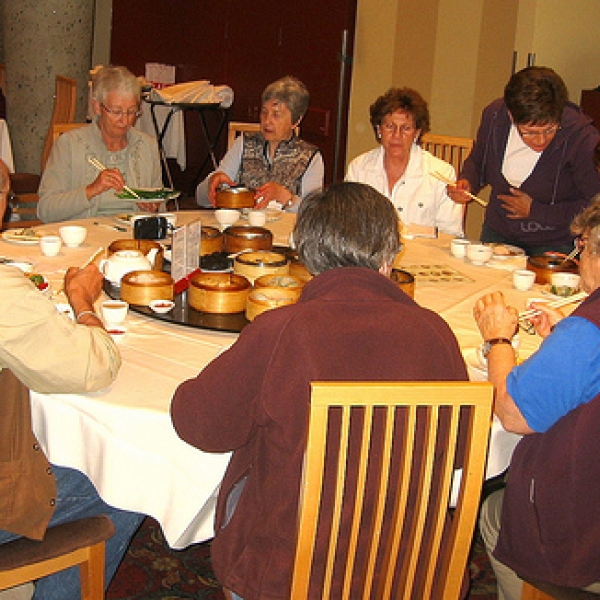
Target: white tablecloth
(122, 437)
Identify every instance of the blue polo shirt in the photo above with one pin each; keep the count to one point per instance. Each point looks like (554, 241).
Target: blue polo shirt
(561, 375)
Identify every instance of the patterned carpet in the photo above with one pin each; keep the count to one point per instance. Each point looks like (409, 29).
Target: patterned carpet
(152, 570)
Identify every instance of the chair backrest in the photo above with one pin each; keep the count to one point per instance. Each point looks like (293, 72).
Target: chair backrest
(453, 150)
(65, 102)
(548, 591)
(237, 127)
(59, 128)
(390, 451)
(76, 543)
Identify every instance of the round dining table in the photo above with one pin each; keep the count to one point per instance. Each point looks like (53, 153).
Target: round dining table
(122, 437)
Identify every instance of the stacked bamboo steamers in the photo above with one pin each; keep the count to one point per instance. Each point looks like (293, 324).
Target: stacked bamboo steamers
(261, 278)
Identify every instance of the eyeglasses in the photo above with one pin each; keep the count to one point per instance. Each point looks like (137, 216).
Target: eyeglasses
(546, 133)
(392, 128)
(117, 114)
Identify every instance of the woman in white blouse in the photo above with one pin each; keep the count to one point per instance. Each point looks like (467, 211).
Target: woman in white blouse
(401, 170)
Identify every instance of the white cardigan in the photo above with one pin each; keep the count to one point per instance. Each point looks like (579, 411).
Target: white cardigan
(420, 198)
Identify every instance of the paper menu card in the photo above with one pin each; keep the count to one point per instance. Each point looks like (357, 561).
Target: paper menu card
(185, 250)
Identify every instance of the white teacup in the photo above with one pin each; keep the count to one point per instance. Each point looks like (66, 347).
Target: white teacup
(523, 279)
(458, 247)
(257, 218)
(479, 254)
(50, 245)
(114, 312)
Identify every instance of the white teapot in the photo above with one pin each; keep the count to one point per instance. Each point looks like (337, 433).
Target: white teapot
(124, 261)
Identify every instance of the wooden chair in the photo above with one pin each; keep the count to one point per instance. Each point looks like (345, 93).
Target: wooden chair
(547, 591)
(453, 150)
(390, 550)
(78, 543)
(65, 102)
(237, 127)
(59, 128)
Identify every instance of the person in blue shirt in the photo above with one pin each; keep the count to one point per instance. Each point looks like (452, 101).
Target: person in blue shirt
(532, 526)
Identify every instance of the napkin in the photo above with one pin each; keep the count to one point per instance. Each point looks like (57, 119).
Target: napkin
(195, 92)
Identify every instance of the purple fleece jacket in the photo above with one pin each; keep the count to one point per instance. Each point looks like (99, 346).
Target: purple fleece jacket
(350, 324)
(561, 184)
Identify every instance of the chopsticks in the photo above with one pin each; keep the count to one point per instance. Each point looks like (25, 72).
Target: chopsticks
(87, 263)
(554, 304)
(571, 255)
(447, 181)
(96, 163)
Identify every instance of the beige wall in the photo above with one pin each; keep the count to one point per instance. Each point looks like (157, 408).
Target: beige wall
(459, 55)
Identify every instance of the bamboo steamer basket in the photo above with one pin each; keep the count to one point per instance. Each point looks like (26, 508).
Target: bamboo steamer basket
(404, 280)
(141, 287)
(253, 265)
(218, 292)
(211, 240)
(548, 263)
(237, 196)
(285, 282)
(246, 237)
(267, 298)
(144, 246)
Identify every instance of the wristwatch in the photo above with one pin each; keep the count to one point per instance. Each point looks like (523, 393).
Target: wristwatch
(489, 344)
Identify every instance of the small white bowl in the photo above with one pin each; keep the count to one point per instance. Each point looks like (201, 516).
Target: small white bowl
(72, 235)
(227, 216)
(479, 254)
(458, 247)
(564, 284)
(24, 266)
(162, 306)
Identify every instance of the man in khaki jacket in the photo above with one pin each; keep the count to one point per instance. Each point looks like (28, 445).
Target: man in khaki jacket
(46, 351)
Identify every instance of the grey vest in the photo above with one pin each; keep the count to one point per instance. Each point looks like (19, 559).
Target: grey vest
(291, 160)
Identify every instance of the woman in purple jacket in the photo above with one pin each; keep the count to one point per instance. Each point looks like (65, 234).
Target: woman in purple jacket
(536, 151)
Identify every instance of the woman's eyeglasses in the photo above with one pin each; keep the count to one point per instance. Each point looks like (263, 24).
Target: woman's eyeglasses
(545, 133)
(117, 114)
(393, 128)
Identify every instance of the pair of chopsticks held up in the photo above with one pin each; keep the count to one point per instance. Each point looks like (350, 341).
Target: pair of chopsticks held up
(87, 263)
(96, 163)
(448, 181)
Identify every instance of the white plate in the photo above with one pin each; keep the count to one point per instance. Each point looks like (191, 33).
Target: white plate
(170, 196)
(16, 236)
(45, 285)
(474, 363)
(512, 252)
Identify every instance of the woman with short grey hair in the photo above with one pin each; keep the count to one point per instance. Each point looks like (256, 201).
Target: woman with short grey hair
(71, 188)
(354, 242)
(281, 168)
(116, 80)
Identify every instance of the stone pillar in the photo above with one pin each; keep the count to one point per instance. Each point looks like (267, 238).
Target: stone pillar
(42, 39)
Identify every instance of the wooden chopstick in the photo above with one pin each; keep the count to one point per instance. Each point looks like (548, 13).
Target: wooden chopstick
(87, 263)
(554, 304)
(96, 163)
(447, 181)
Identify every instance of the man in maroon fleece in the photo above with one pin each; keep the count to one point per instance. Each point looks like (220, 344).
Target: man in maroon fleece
(351, 323)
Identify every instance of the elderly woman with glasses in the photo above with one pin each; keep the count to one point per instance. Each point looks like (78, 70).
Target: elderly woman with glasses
(401, 170)
(545, 525)
(536, 152)
(71, 187)
(281, 168)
